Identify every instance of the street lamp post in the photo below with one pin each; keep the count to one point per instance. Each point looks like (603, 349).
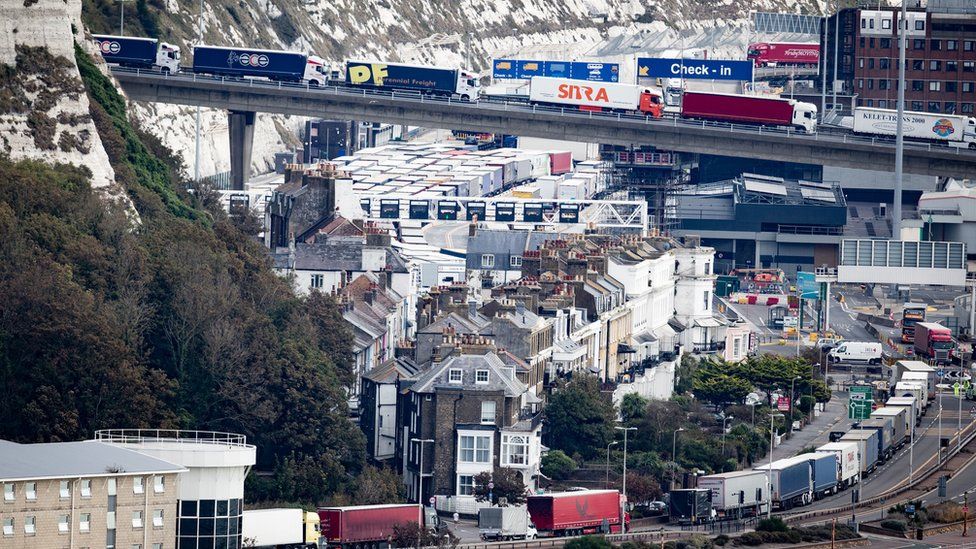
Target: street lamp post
(420, 487)
(724, 419)
(623, 502)
(608, 462)
(769, 471)
(674, 457)
(121, 17)
(940, 416)
(792, 395)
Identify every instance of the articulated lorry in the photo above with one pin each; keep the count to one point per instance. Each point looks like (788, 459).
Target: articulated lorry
(749, 109)
(596, 96)
(954, 130)
(280, 528)
(934, 341)
(418, 78)
(575, 513)
(791, 480)
(778, 54)
(690, 505)
(505, 523)
(142, 53)
(848, 462)
(283, 66)
(369, 525)
(737, 494)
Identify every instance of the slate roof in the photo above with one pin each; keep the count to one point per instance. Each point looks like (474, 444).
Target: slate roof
(392, 369)
(87, 458)
(335, 253)
(499, 377)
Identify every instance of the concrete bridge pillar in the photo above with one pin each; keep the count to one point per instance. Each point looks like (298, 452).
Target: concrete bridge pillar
(241, 125)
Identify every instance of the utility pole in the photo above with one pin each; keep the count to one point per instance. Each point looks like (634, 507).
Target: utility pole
(196, 160)
(769, 470)
(674, 458)
(623, 501)
(900, 128)
(121, 17)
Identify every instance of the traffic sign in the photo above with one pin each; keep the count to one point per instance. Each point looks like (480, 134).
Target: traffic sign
(859, 405)
(809, 287)
(783, 404)
(940, 373)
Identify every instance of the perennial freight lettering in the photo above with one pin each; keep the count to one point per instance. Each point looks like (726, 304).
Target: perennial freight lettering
(420, 78)
(828, 469)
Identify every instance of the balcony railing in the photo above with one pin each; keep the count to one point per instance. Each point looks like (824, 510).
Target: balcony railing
(139, 436)
(712, 347)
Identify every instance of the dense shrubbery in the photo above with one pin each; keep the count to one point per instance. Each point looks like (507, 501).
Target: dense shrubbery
(895, 525)
(176, 323)
(778, 532)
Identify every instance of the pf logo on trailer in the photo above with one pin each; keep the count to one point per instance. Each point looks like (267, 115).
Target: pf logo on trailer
(943, 127)
(110, 47)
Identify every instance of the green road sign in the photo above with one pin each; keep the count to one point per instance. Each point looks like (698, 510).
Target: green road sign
(859, 405)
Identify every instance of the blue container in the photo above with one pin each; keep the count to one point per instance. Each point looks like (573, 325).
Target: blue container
(127, 50)
(401, 77)
(238, 62)
(794, 480)
(824, 466)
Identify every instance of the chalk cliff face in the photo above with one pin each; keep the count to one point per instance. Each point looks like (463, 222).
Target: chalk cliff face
(44, 112)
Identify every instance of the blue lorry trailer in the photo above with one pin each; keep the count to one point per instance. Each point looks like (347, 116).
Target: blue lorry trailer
(791, 480)
(288, 66)
(825, 473)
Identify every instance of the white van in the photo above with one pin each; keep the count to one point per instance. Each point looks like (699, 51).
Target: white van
(856, 351)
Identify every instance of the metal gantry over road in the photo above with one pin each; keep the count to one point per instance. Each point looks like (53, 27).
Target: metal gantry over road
(249, 96)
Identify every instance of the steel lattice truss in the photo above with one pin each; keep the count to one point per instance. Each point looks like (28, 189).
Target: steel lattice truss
(771, 23)
(617, 214)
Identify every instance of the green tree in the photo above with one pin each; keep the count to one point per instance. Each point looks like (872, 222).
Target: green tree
(589, 542)
(685, 374)
(712, 384)
(378, 485)
(557, 465)
(580, 418)
(632, 408)
(642, 489)
(504, 483)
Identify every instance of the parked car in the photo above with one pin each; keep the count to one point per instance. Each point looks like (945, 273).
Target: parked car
(657, 507)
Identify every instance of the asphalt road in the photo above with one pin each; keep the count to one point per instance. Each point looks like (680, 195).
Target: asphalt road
(897, 469)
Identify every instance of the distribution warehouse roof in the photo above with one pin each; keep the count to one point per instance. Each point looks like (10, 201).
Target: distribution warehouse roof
(87, 458)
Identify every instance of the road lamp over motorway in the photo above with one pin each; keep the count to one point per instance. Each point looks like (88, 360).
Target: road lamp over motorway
(769, 471)
(608, 462)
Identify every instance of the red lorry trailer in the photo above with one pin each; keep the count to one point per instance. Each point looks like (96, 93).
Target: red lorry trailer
(575, 513)
(934, 341)
(749, 109)
(765, 54)
(364, 525)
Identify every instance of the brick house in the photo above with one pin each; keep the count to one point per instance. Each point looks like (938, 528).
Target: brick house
(480, 417)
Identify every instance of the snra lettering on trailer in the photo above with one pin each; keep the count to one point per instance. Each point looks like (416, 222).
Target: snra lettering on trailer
(573, 91)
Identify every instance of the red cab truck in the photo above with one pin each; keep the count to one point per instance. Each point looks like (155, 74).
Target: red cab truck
(934, 341)
(575, 513)
(778, 54)
(749, 109)
(366, 525)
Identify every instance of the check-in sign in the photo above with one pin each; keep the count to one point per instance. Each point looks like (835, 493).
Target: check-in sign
(700, 69)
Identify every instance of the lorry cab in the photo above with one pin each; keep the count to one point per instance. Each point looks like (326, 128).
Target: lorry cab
(316, 71)
(651, 102)
(168, 57)
(468, 85)
(755, 53)
(805, 116)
